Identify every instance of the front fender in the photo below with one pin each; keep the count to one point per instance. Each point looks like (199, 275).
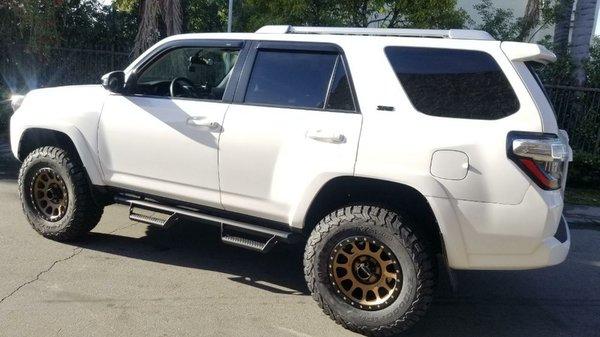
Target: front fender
(73, 111)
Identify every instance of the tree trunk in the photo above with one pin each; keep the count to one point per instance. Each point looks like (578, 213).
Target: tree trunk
(563, 26)
(583, 25)
(530, 19)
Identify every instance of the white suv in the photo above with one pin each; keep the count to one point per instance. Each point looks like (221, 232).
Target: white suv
(387, 151)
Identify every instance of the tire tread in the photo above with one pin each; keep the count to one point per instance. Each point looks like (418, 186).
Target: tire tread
(379, 217)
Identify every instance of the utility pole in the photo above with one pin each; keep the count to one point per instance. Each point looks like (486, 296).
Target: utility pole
(230, 16)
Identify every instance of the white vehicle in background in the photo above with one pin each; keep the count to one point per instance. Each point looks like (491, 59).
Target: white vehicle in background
(387, 152)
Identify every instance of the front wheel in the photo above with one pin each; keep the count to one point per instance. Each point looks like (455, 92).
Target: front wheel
(56, 195)
(369, 271)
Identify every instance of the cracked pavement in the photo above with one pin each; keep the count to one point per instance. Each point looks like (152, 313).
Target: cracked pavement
(127, 279)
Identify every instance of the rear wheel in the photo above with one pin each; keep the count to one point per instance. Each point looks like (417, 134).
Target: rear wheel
(369, 271)
(56, 195)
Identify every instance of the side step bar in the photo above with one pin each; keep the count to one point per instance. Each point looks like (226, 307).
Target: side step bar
(237, 233)
(153, 220)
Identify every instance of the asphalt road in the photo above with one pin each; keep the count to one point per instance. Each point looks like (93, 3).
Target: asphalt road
(127, 279)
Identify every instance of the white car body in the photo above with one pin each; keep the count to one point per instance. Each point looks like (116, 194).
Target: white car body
(271, 162)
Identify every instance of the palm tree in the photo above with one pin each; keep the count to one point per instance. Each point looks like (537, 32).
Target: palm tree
(530, 19)
(583, 25)
(158, 18)
(562, 27)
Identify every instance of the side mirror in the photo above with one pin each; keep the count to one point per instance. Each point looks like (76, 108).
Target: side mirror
(114, 81)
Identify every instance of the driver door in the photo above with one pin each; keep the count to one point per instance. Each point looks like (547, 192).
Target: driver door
(162, 137)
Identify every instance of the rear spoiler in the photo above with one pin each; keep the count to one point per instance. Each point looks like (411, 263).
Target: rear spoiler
(522, 52)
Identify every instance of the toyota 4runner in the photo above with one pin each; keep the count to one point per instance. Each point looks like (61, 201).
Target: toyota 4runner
(387, 152)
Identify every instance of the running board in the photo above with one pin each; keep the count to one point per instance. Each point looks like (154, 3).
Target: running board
(237, 233)
(238, 238)
(166, 221)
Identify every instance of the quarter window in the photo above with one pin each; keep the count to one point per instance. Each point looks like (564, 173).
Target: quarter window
(299, 79)
(453, 83)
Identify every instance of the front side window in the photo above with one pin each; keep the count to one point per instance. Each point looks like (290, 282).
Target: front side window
(453, 83)
(192, 72)
(315, 80)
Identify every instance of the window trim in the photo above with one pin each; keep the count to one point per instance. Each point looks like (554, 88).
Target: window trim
(148, 60)
(287, 46)
(385, 51)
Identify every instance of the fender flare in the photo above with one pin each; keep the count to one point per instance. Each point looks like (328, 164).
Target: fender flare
(84, 149)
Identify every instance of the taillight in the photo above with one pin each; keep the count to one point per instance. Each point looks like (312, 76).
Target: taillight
(541, 156)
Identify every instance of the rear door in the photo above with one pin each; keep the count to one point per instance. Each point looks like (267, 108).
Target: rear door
(293, 125)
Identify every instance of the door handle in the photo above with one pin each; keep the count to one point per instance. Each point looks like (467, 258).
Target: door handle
(327, 137)
(202, 123)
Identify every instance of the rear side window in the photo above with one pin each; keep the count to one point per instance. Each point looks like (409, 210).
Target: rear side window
(299, 79)
(453, 83)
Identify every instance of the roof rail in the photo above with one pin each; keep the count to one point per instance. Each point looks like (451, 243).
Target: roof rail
(464, 34)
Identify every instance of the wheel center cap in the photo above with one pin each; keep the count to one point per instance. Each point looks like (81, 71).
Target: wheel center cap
(363, 271)
(54, 193)
(367, 270)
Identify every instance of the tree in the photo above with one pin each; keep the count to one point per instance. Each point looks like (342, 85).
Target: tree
(583, 25)
(562, 26)
(157, 19)
(441, 14)
(503, 25)
(356, 13)
(205, 15)
(530, 18)
(500, 23)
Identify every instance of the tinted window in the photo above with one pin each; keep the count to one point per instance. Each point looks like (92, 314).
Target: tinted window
(290, 78)
(453, 83)
(340, 96)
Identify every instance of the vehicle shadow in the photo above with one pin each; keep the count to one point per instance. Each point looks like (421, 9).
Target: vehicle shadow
(547, 302)
(198, 245)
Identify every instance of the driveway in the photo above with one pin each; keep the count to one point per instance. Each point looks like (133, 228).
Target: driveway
(127, 279)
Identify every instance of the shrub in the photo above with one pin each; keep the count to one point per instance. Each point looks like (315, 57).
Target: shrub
(584, 171)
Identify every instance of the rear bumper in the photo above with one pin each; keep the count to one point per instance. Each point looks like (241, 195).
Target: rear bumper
(488, 236)
(551, 251)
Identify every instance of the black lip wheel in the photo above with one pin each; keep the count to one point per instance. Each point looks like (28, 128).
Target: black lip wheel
(358, 252)
(365, 273)
(48, 194)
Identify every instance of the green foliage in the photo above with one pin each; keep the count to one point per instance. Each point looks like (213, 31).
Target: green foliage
(206, 15)
(500, 23)
(127, 5)
(559, 72)
(64, 23)
(592, 65)
(358, 13)
(584, 171)
(503, 25)
(441, 14)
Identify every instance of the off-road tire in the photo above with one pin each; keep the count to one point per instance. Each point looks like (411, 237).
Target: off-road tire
(82, 213)
(398, 234)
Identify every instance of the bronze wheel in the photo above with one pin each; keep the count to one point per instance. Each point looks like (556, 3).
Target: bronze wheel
(365, 273)
(49, 195)
(56, 194)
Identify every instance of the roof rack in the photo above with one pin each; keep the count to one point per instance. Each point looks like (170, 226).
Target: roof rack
(464, 34)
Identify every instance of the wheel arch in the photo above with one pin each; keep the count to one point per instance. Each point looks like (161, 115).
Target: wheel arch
(70, 139)
(351, 190)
